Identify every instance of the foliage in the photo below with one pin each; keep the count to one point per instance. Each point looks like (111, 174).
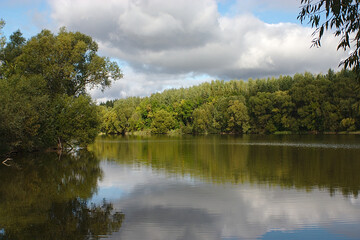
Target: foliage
(10, 52)
(348, 124)
(67, 61)
(74, 119)
(238, 117)
(340, 15)
(163, 122)
(202, 118)
(43, 84)
(2, 38)
(302, 103)
(23, 111)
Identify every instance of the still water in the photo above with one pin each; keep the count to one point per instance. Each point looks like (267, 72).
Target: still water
(205, 187)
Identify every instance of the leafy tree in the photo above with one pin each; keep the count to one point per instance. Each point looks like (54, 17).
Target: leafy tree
(12, 50)
(345, 95)
(145, 110)
(314, 110)
(238, 117)
(183, 110)
(136, 122)
(43, 84)
(2, 43)
(125, 109)
(163, 122)
(23, 111)
(108, 103)
(2, 38)
(283, 111)
(67, 61)
(261, 112)
(219, 114)
(340, 15)
(110, 122)
(74, 120)
(348, 124)
(272, 112)
(203, 118)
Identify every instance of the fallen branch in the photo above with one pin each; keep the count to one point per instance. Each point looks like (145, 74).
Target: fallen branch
(69, 149)
(4, 162)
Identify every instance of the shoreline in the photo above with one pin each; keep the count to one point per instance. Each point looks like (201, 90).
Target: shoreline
(179, 133)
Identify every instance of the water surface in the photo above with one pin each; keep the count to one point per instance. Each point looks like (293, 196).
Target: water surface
(205, 187)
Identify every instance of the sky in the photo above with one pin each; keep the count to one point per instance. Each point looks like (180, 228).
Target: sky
(162, 44)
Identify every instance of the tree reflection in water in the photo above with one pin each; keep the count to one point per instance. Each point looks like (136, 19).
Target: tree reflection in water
(303, 162)
(42, 197)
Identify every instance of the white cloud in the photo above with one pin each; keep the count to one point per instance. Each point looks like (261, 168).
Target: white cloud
(165, 41)
(144, 84)
(251, 5)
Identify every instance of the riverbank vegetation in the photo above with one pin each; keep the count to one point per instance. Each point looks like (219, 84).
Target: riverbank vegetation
(43, 83)
(44, 100)
(300, 104)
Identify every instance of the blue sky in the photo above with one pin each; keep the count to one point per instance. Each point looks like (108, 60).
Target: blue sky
(265, 12)
(21, 15)
(179, 43)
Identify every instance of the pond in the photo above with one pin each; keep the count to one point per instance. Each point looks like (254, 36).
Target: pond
(188, 187)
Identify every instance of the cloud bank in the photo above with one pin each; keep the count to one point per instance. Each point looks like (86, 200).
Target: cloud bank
(173, 39)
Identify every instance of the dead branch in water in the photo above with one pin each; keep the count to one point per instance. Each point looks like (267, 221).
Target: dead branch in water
(4, 162)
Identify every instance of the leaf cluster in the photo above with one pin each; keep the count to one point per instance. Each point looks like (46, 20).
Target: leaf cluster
(340, 15)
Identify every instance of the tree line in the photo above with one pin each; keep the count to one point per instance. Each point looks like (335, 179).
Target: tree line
(43, 83)
(44, 100)
(300, 104)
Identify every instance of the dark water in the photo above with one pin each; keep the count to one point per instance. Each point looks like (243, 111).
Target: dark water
(207, 187)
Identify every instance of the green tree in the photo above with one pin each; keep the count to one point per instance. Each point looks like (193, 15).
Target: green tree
(340, 15)
(345, 96)
(348, 124)
(261, 112)
(219, 114)
(23, 112)
(272, 111)
(67, 61)
(2, 37)
(203, 118)
(74, 120)
(43, 83)
(136, 122)
(163, 122)
(183, 110)
(238, 117)
(9, 53)
(125, 109)
(2, 44)
(314, 110)
(110, 122)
